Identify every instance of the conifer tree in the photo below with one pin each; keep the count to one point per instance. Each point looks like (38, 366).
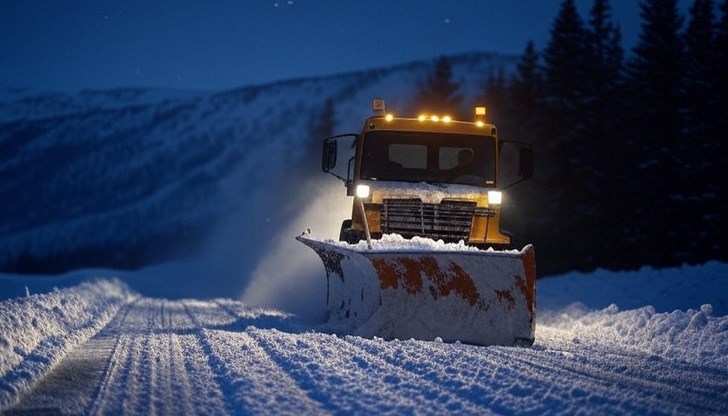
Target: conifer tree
(558, 148)
(601, 168)
(699, 40)
(439, 92)
(720, 126)
(564, 66)
(525, 93)
(521, 121)
(604, 60)
(564, 88)
(496, 99)
(704, 137)
(721, 53)
(656, 97)
(605, 56)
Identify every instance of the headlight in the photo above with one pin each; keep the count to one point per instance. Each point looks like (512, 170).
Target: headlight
(495, 197)
(362, 191)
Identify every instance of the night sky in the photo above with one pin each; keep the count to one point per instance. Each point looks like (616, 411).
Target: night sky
(72, 45)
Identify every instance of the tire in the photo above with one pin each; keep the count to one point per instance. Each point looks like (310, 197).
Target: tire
(349, 235)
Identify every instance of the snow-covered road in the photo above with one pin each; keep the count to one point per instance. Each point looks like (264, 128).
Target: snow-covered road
(159, 356)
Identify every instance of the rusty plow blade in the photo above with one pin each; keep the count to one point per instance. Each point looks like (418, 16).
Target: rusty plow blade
(472, 296)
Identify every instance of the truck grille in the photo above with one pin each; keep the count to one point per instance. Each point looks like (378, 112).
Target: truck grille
(449, 220)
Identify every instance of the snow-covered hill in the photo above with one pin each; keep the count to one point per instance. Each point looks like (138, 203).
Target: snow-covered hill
(124, 178)
(221, 356)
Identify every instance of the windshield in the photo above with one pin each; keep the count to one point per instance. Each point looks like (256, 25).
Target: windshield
(429, 157)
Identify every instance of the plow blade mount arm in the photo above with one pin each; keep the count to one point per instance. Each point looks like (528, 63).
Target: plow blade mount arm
(473, 296)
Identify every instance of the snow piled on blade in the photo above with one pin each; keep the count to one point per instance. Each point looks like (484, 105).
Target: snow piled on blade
(395, 243)
(38, 330)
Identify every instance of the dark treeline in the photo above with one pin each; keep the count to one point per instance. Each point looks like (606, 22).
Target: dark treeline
(628, 146)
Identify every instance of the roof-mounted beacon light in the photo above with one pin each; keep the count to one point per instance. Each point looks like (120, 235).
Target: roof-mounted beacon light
(480, 116)
(378, 106)
(480, 113)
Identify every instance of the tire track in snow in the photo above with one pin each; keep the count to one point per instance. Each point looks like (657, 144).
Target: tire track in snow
(434, 361)
(554, 380)
(114, 358)
(164, 374)
(347, 379)
(113, 367)
(71, 386)
(256, 383)
(249, 381)
(642, 379)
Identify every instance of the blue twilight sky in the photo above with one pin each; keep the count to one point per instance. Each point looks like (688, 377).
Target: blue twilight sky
(72, 44)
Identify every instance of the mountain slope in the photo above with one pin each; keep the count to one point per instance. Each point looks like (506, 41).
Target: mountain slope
(124, 178)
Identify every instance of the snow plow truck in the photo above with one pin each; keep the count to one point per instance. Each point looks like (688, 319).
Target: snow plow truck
(423, 255)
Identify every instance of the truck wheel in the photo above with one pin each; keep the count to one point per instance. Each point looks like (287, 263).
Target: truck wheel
(349, 235)
(345, 229)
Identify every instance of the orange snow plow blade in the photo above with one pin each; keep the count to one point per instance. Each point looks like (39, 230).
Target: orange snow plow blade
(458, 293)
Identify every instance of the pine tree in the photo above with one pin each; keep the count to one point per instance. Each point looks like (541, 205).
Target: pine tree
(700, 107)
(656, 96)
(558, 149)
(720, 126)
(439, 92)
(699, 52)
(525, 92)
(497, 101)
(604, 67)
(605, 57)
(522, 121)
(601, 167)
(706, 49)
(564, 67)
(721, 54)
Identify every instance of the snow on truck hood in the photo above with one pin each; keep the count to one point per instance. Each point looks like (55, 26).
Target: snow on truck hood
(429, 193)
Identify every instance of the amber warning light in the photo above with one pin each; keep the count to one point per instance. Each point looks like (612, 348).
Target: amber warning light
(480, 116)
(378, 106)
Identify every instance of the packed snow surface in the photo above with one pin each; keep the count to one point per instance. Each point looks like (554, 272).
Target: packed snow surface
(646, 342)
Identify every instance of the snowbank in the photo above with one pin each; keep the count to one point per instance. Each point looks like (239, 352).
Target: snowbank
(692, 336)
(668, 289)
(36, 331)
(678, 313)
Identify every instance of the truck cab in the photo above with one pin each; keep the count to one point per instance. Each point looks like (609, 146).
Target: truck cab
(427, 176)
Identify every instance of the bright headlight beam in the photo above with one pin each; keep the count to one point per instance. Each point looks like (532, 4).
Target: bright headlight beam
(362, 191)
(495, 197)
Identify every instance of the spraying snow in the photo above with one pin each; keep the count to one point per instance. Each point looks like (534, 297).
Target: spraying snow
(289, 276)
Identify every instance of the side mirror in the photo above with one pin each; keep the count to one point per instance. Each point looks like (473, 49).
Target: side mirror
(328, 156)
(525, 163)
(516, 163)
